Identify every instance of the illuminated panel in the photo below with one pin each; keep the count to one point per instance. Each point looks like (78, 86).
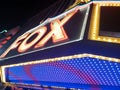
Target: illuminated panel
(96, 22)
(76, 70)
(62, 29)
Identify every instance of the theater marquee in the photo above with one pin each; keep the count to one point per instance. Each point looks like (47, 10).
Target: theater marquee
(62, 29)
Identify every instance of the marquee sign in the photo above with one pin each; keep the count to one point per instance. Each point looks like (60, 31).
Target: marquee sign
(65, 28)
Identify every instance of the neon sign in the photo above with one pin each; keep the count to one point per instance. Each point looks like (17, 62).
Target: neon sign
(56, 32)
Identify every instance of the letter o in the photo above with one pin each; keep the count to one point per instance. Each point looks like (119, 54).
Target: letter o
(24, 46)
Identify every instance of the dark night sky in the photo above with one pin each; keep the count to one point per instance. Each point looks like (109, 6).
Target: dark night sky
(13, 13)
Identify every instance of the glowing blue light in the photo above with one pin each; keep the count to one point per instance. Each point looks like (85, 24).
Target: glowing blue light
(78, 71)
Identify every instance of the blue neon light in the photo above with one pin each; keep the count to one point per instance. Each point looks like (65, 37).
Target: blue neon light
(77, 71)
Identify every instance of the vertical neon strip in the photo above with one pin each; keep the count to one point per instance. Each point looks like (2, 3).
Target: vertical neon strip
(84, 23)
(94, 23)
(3, 74)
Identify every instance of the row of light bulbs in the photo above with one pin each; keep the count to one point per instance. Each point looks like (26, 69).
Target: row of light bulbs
(94, 27)
(64, 58)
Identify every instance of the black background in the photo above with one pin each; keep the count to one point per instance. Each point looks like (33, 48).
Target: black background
(14, 13)
(110, 19)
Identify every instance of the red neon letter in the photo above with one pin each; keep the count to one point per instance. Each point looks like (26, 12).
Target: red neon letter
(57, 31)
(25, 46)
(14, 45)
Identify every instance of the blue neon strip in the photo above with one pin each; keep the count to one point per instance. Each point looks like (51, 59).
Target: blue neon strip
(78, 71)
